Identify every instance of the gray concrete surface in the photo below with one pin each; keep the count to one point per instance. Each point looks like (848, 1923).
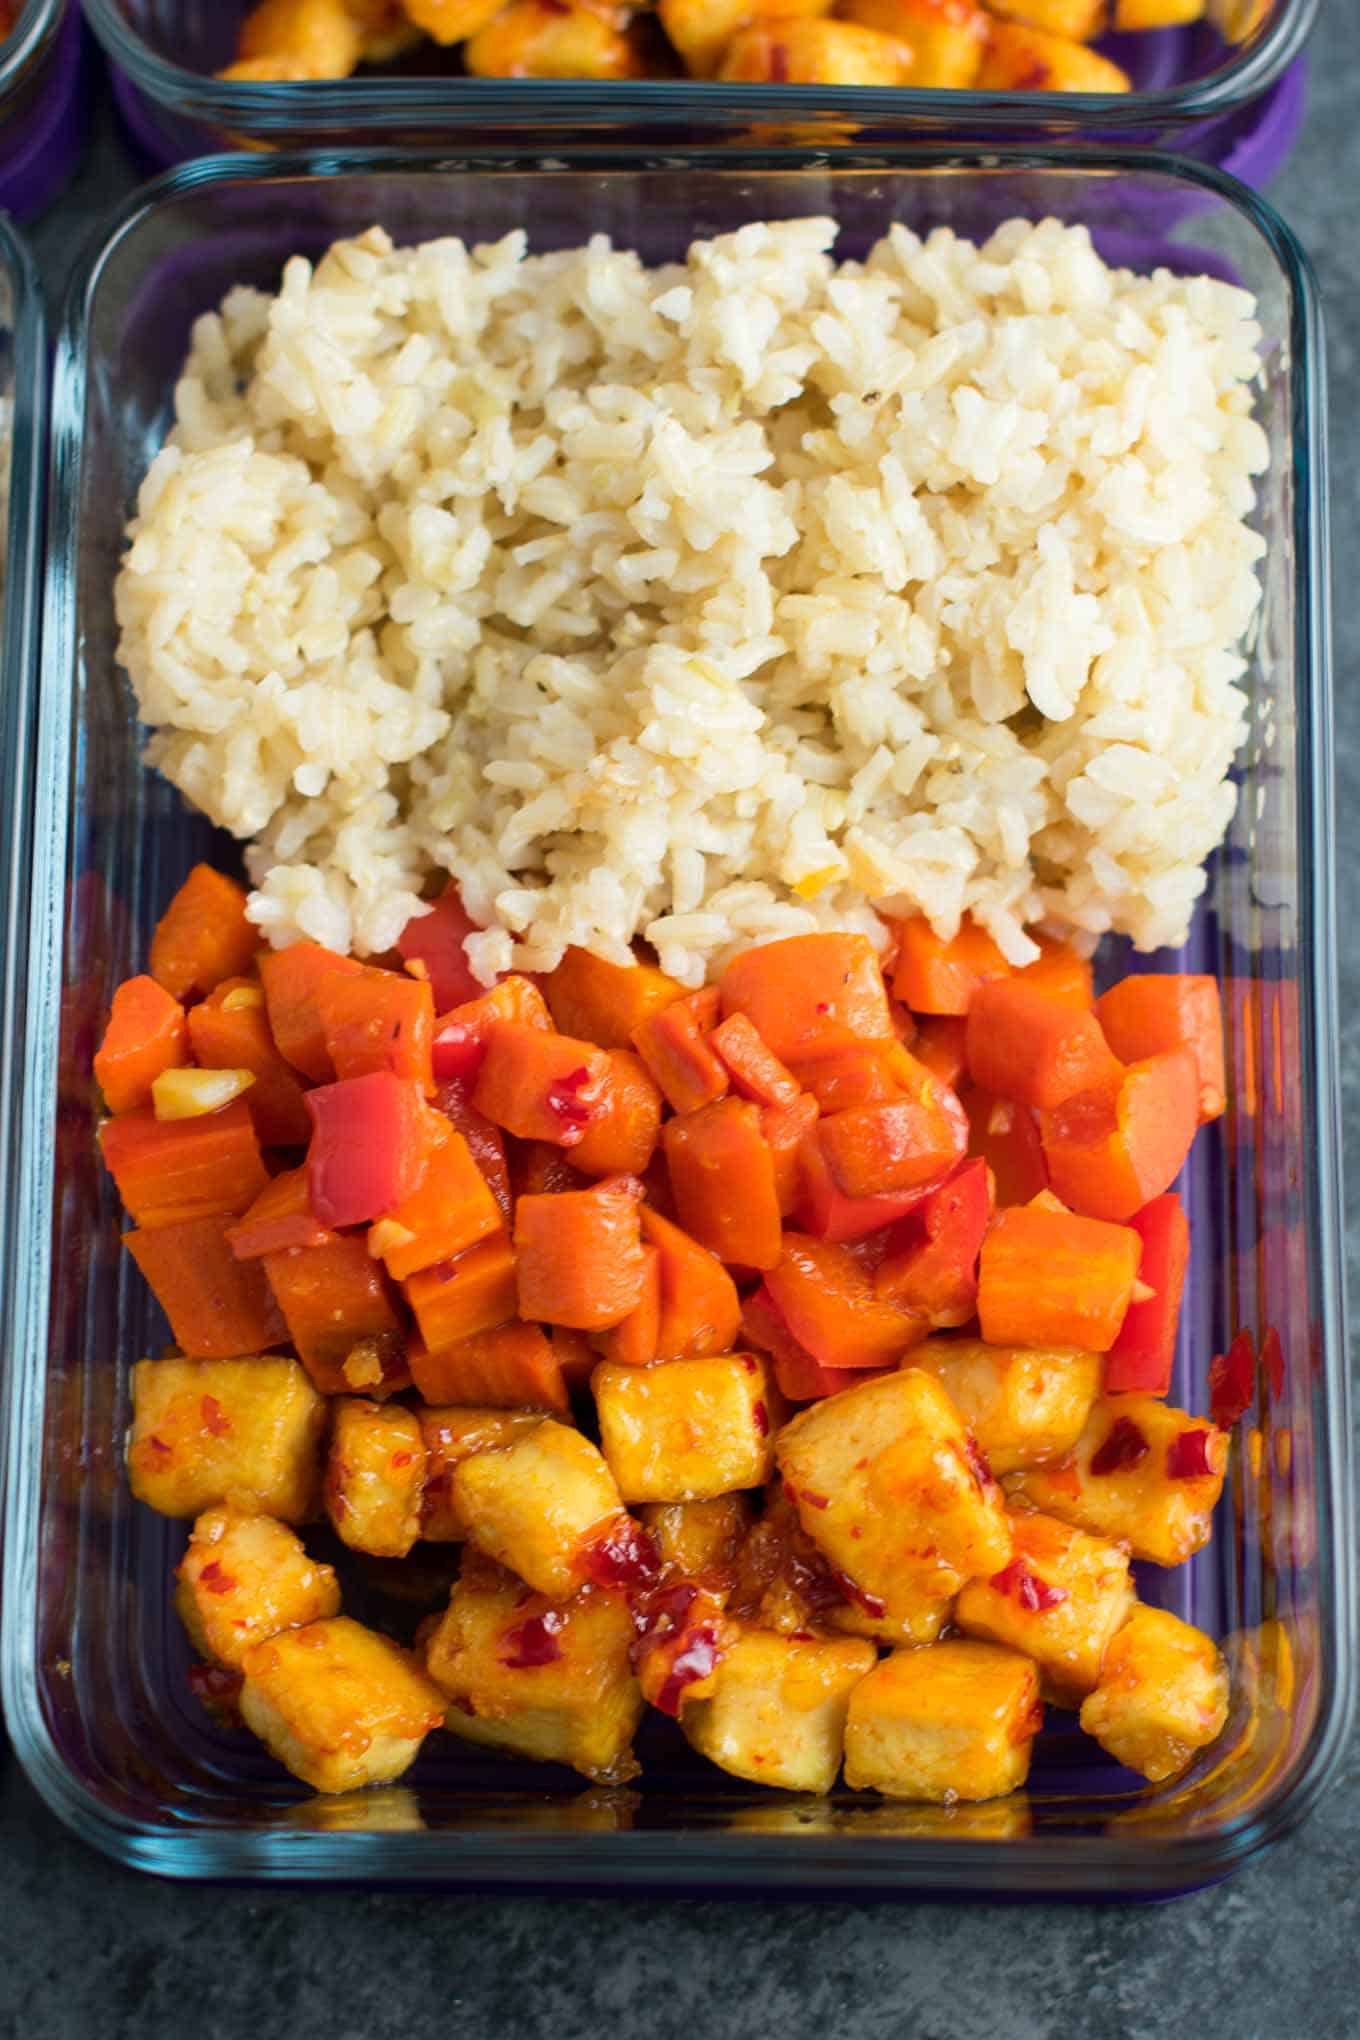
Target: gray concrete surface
(89, 1952)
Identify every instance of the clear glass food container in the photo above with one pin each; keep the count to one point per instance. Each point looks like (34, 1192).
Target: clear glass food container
(1235, 105)
(42, 116)
(95, 1664)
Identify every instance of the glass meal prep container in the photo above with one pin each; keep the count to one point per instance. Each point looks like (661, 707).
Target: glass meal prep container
(42, 118)
(95, 1663)
(1238, 106)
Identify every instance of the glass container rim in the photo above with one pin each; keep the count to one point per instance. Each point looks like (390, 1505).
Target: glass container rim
(1033, 1866)
(26, 44)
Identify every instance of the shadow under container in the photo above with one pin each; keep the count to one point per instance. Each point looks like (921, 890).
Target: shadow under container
(1237, 106)
(95, 1664)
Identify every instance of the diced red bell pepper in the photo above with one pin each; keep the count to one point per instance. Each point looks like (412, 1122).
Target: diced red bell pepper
(1232, 1381)
(936, 1271)
(486, 1141)
(370, 1143)
(460, 1036)
(799, 1376)
(1142, 1355)
(436, 940)
(824, 1210)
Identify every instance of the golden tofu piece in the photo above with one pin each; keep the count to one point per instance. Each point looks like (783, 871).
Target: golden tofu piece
(450, 1433)
(700, 30)
(1237, 21)
(1077, 20)
(552, 1680)
(1025, 1405)
(688, 1430)
(1021, 59)
(1059, 1601)
(1163, 1694)
(337, 1704)
(888, 1483)
(776, 1714)
(451, 21)
(318, 38)
(375, 1476)
(245, 1432)
(784, 1583)
(1142, 1472)
(538, 1505)
(1139, 14)
(954, 1721)
(699, 1539)
(784, 52)
(946, 37)
(549, 39)
(384, 28)
(243, 1579)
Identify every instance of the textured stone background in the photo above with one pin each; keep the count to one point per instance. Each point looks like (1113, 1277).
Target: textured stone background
(90, 1952)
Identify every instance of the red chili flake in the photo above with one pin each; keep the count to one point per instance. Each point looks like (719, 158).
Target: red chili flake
(1272, 1361)
(402, 1458)
(750, 1363)
(215, 1418)
(760, 1417)
(626, 1556)
(814, 1501)
(1033, 1594)
(157, 1448)
(216, 1687)
(455, 1052)
(1232, 1382)
(1124, 1447)
(823, 1006)
(698, 1658)
(1187, 1456)
(464, 1705)
(861, 1596)
(664, 1612)
(534, 1642)
(215, 1580)
(802, 1636)
(976, 1463)
(564, 1099)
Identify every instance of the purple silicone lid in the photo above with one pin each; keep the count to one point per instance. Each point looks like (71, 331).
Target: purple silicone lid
(41, 144)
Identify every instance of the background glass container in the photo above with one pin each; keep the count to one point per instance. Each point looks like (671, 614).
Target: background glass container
(94, 1662)
(42, 117)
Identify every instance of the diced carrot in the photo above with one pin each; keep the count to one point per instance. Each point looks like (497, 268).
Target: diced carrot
(753, 1071)
(1060, 972)
(228, 1033)
(869, 1073)
(1111, 1150)
(173, 1170)
(1049, 1278)
(633, 1341)
(486, 1142)
(1141, 1357)
(933, 1270)
(219, 1308)
(146, 1035)
(371, 1140)
(541, 1086)
(378, 1021)
(537, 1170)
(461, 1035)
(604, 1002)
(828, 1303)
(798, 1375)
(916, 1138)
(809, 994)
(575, 1356)
(934, 976)
(941, 1047)
(469, 1294)
(785, 1128)
(450, 1211)
(508, 1367)
(1006, 1137)
(723, 1180)
(1151, 1014)
(291, 978)
(434, 941)
(203, 936)
(904, 1025)
(621, 1135)
(1035, 1049)
(824, 1210)
(281, 1216)
(579, 1256)
(673, 1043)
(336, 1298)
(700, 1310)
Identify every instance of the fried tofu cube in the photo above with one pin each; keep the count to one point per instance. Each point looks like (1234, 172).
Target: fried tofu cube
(954, 1721)
(776, 1714)
(551, 39)
(1237, 21)
(1024, 1405)
(245, 1432)
(888, 1483)
(450, 21)
(375, 1476)
(1163, 1694)
(687, 1430)
(1141, 1472)
(337, 1704)
(547, 1679)
(699, 1540)
(1077, 20)
(1061, 1599)
(449, 1434)
(783, 1582)
(1139, 14)
(539, 1505)
(1022, 59)
(320, 38)
(700, 30)
(946, 37)
(243, 1579)
(783, 52)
